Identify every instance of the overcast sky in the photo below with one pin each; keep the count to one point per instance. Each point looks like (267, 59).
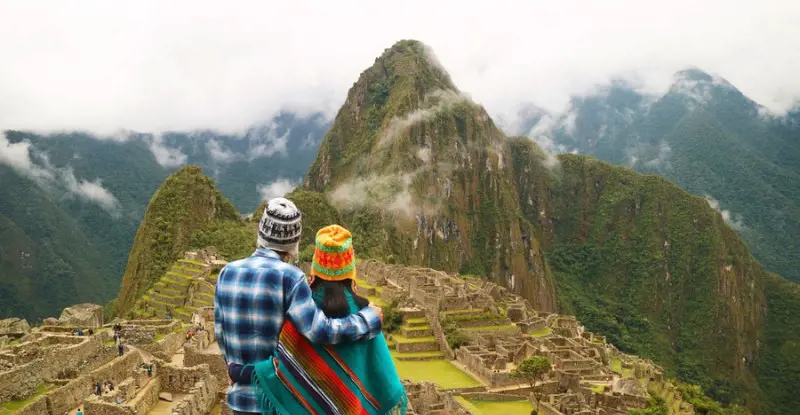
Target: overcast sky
(161, 65)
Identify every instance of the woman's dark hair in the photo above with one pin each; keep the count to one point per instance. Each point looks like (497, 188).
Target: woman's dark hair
(334, 303)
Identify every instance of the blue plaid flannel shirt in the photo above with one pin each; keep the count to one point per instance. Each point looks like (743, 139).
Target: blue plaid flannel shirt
(253, 297)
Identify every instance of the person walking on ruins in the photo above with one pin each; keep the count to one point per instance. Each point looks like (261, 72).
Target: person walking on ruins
(256, 295)
(348, 378)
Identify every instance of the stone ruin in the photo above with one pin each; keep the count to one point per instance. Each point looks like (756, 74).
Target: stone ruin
(52, 370)
(55, 370)
(505, 331)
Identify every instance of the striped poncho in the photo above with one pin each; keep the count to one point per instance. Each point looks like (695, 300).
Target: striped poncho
(345, 379)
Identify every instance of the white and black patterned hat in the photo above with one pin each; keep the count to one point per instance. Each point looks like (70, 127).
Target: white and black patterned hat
(280, 227)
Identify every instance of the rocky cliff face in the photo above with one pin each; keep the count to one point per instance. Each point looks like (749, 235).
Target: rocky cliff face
(185, 203)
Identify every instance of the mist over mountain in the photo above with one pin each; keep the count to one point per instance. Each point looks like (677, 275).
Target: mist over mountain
(96, 188)
(704, 135)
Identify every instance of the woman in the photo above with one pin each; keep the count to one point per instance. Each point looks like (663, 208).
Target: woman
(352, 378)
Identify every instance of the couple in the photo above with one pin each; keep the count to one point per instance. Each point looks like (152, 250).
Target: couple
(292, 348)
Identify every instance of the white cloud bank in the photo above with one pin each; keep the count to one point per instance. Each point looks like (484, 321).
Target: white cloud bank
(734, 221)
(276, 188)
(18, 157)
(182, 65)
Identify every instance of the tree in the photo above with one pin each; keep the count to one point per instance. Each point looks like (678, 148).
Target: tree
(531, 370)
(656, 406)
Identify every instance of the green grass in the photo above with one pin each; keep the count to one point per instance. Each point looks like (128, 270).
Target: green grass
(481, 407)
(490, 328)
(418, 354)
(401, 339)
(417, 320)
(441, 372)
(544, 331)
(616, 365)
(597, 388)
(14, 406)
(463, 311)
(414, 328)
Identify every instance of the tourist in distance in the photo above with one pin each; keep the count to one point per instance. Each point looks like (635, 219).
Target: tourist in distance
(256, 295)
(348, 378)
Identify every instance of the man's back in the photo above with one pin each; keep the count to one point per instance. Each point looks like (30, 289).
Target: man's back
(249, 309)
(249, 299)
(254, 296)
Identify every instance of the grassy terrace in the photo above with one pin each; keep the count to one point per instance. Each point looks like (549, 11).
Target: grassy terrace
(375, 299)
(437, 354)
(401, 339)
(481, 407)
(14, 406)
(441, 372)
(490, 328)
(544, 331)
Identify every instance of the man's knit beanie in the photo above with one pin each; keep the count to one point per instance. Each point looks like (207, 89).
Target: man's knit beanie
(280, 227)
(334, 258)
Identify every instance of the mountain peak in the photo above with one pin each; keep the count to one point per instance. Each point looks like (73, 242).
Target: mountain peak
(411, 59)
(390, 109)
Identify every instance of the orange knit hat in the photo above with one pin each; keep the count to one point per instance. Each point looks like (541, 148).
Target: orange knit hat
(334, 257)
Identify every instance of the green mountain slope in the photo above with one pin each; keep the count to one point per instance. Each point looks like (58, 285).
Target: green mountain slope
(130, 168)
(653, 268)
(47, 262)
(708, 138)
(429, 180)
(418, 171)
(186, 203)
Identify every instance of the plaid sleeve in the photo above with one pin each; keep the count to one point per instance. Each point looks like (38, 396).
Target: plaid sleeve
(318, 328)
(218, 323)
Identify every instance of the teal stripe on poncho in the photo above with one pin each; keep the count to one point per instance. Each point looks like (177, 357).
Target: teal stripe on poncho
(286, 383)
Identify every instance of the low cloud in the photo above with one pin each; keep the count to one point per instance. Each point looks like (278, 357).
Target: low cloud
(165, 156)
(276, 188)
(734, 221)
(444, 100)
(543, 132)
(92, 191)
(387, 192)
(661, 161)
(20, 157)
(270, 146)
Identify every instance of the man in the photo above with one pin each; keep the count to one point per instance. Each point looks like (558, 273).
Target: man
(254, 296)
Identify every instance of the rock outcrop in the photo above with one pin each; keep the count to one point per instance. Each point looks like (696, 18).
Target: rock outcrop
(14, 327)
(82, 315)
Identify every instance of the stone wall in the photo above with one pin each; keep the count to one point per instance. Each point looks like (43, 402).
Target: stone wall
(98, 407)
(547, 409)
(181, 379)
(166, 347)
(73, 393)
(38, 407)
(194, 357)
(146, 399)
(21, 382)
(202, 397)
(438, 333)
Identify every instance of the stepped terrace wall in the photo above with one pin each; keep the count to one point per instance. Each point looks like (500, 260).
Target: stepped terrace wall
(21, 381)
(200, 399)
(165, 348)
(75, 392)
